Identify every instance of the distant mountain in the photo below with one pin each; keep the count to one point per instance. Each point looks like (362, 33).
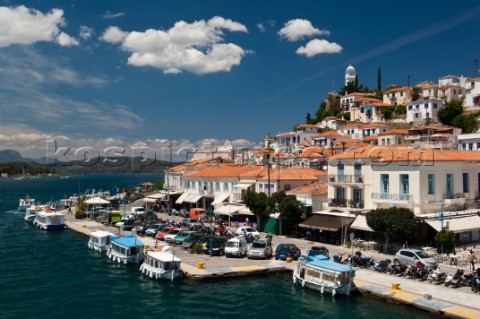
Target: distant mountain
(12, 156)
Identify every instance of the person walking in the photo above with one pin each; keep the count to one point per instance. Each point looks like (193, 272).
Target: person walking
(472, 258)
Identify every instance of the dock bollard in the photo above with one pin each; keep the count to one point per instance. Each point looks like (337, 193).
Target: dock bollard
(201, 265)
(395, 286)
(288, 260)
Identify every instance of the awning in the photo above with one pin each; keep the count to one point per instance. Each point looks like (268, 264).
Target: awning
(182, 198)
(149, 200)
(220, 198)
(326, 222)
(157, 196)
(244, 184)
(360, 223)
(245, 211)
(193, 198)
(229, 209)
(457, 224)
(97, 200)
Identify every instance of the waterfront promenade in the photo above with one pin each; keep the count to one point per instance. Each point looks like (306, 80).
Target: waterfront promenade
(449, 302)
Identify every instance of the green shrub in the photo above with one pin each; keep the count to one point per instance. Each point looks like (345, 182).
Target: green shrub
(80, 214)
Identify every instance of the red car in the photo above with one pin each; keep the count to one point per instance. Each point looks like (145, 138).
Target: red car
(161, 234)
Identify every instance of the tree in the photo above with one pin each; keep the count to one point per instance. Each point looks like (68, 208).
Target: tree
(468, 123)
(288, 206)
(415, 93)
(386, 112)
(445, 239)
(257, 203)
(379, 93)
(394, 223)
(453, 109)
(308, 119)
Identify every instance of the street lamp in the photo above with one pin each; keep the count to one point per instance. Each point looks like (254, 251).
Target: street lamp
(210, 210)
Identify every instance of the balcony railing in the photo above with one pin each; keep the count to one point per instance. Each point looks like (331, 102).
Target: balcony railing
(396, 197)
(334, 202)
(453, 196)
(345, 178)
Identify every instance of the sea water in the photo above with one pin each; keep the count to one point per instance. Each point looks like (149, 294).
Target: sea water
(54, 275)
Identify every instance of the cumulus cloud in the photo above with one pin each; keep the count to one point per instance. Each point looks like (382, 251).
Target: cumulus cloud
(111, 15)
(86, 32)
(21, 25)
(317, 46)
(195, 47)
(298, 29)
(263, 26)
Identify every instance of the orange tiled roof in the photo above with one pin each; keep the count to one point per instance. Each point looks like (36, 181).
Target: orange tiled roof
(394, 131)
(358, 94)
(286, 173)
(370, 138)
(229, 171)
(313, 152)
(328, 133)
(375, 124)
(359, 125)
(306, 126)
(200, 164)
(367, 99)
(402, 88)
(333, 118)
(381, 104)
(316, 188)
(403, 153)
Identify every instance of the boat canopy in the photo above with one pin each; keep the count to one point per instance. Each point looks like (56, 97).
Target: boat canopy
(322, 262)
(127, 241)
(163, 256)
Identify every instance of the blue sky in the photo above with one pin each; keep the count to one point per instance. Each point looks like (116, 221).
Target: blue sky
(141, 73)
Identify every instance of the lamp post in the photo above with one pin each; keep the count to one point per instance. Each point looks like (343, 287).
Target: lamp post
(210, 210)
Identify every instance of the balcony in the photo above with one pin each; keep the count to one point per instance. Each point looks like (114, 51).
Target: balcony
(346, 179)
(454, 198)
(387, 198)
(344, 203)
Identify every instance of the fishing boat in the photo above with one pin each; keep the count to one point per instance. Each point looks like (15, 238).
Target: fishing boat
(100, 240)
(127, 249)
(25, 203)
(317, 272)
(161, 264)
(32, 211)
(49, 219)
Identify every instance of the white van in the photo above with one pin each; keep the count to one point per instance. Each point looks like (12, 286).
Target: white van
(236, 246)
(137, 210)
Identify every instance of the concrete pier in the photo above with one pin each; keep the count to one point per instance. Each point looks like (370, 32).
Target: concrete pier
(444, 301)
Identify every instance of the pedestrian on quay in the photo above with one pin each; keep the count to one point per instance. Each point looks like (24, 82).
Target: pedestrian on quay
(405, 245)
(472, 258)
(69, 210)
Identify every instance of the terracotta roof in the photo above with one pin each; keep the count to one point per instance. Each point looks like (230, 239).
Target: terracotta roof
(316, 188)
(333, 118)
(200, 164)
(307, 125)
(328, 133)
(313, 152)
(367, 99)
(359, 125)
(375, 124)
(286, 173)
(394, 131)
(381, 104)
(370, 138)
(229, 171)
(402, 88)
(358, 93)
(401, 153)
(454, 86)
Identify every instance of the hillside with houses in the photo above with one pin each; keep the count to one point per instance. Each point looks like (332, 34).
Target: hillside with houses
(413, 147)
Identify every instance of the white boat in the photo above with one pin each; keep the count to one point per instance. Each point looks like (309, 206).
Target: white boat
(161, 264)
(318, 273)
(100, 240)
(32, 211)
(25, 203)
(50, 220)
(127, 249)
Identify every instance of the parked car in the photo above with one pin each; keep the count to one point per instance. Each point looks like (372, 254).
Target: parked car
(191, 222)
(125, 224)
(140, 229)
(285, 251)
(236, 246)
(137, 210)
(218, 246)
(151, 216)
(410, 257)
(260, 248)
(162, 233)
(192, 240)
(248, 230)
(154, 229)
(182, 236)
(170, 237)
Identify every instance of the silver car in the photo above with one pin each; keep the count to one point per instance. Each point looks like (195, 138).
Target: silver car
(260, 248)
(410, 257)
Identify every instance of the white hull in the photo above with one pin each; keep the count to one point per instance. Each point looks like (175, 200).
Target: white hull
(159, 273)
(132, 259)
(29, 218)
(333, 290)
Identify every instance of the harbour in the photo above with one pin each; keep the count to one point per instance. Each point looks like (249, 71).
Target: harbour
(64, 266)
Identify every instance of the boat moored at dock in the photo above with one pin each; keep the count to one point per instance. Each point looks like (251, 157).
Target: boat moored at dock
(127, 250)
(317, 272)
(161, 264)
(24, 203)
(32, 211)
(50, 220)
(100, 240)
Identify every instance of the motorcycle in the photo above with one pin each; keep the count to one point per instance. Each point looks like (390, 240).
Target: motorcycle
(382, 265)
(398, 270)
(475, 285)
(454, 279)
(437, 276)
(422, 271)
(358, 260)
(410, 272)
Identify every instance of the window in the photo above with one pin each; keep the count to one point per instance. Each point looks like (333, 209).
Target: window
(217, 186)
(410, 107)
(404, 186)
(384, 183)
(225, 187)
(466, 185)
(434, 105)
(416, 115)
(431, 184)
(426, 106)
(470, 146)
(340, 172)
(449, 190)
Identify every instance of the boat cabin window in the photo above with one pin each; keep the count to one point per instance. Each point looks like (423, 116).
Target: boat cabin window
(328, 277)
(170, 265)
(119, 249)
(133, 250)
(313, 273)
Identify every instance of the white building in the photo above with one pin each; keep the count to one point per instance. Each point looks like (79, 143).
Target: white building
(420, 110)
(452, 80)
(398, 96)
(350, 74)
(472, 93)
(469, 142)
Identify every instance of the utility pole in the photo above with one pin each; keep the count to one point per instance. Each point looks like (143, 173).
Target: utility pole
(475, 71)
(408, 80)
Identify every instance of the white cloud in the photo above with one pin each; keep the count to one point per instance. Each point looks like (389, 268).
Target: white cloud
(111, 15)
(86, 32)
(65, 40)
(297, 29)
(195, 47)
(21, 25)
(317, 46)
(262, 26)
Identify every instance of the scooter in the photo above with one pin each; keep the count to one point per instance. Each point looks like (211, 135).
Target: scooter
(454, 279)
(410, 272)
(437, 276)
(422, 271)
(382, 265)
(398, 270)
(475, 285)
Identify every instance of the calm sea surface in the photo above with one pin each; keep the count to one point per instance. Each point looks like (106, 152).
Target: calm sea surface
(54, 274)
